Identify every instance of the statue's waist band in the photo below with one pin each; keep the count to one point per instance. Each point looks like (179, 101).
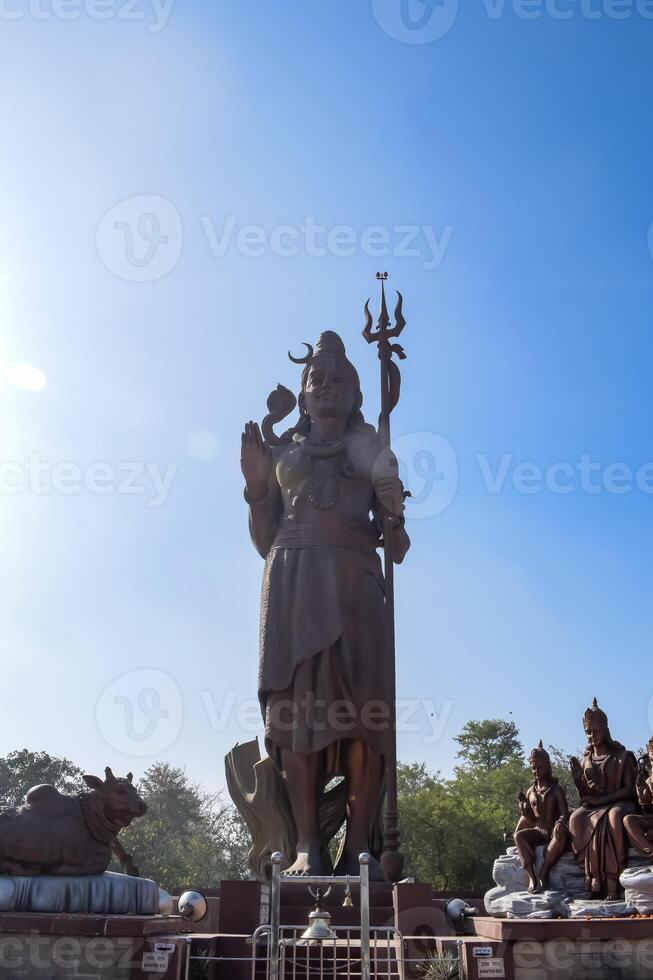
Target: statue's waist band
(313, 536)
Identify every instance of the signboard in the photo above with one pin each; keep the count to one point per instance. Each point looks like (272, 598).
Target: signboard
(482, 951)
(157, 962)
(493, 966)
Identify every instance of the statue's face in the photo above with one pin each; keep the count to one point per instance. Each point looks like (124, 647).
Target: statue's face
(330, 390)
(596, 731)
(541, 769)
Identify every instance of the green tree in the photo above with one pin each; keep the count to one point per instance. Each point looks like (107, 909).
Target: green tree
(453, 829)
(21, 770)
(489, 743)
(188, 838)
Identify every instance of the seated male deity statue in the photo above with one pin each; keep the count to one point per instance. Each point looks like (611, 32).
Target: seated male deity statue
(543, 821)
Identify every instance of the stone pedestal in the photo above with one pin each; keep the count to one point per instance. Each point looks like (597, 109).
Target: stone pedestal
(511, 899)
(594, 949)
(35, 946)
(638, 886)
(108, 893)
(588, 908)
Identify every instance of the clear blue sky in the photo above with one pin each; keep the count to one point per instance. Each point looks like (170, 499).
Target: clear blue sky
(523, 146)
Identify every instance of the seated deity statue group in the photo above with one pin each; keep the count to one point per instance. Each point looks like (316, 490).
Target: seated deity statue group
(615, 812)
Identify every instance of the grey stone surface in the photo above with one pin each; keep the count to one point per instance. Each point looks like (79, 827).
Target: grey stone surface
(524, 905)
(511, 899)
(598, 909)
(565, 876)
(108, 893)
(638, 885)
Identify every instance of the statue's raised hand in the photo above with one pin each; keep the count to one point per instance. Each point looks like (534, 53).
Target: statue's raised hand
(255, 461)
(576, 769)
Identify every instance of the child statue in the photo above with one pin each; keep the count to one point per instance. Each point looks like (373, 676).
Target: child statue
(605, 780)
(639, 826)
(543, 821)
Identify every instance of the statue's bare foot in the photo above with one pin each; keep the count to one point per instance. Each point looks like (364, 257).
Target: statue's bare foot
(534, 888)
(350, 865)
(309, 862)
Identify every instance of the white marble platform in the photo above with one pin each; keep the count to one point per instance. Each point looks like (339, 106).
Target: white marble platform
(511, 899)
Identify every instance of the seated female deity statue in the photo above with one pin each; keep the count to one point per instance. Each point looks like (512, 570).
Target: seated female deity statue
(605, 780)
(543, 821)
(639, 826)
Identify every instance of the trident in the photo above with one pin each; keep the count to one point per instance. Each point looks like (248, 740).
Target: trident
(392, 860)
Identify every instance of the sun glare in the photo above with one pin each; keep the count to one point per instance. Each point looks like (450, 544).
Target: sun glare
(26, 377)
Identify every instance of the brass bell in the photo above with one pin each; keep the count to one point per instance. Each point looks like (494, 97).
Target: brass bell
(348, 904)
(319, 923)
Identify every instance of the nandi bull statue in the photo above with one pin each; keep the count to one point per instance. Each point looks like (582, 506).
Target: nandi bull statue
(54, 834)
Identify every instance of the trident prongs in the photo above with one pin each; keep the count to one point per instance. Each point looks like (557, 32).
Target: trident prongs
(384, 333)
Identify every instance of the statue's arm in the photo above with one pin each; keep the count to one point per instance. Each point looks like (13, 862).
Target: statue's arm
(262, 491)
(389, 501)
(264, 515)
(563, 806)
(645, 793)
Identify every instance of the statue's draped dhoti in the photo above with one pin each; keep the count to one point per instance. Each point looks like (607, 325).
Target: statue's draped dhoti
(325, 674)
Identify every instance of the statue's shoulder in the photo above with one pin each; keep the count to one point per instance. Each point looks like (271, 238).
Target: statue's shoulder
(622, 756)
(364, 445)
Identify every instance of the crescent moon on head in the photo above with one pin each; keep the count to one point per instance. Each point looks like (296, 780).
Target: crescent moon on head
(307, 357)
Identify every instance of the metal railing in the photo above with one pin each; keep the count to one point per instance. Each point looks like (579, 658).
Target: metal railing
(387, 948)
(345, 951)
